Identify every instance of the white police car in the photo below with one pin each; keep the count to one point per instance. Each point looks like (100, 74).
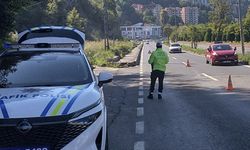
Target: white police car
(50, 98)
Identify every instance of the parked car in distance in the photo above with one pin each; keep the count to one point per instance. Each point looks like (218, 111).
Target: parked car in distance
(175, 48)
(220, 53)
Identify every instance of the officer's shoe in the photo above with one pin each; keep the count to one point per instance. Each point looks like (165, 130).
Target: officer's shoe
(150, 96)
(159, 96)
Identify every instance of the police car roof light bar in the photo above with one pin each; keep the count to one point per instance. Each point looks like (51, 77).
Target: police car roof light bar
(42, 45)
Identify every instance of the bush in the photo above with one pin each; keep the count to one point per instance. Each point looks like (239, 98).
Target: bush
(245, 58)
(97, 55)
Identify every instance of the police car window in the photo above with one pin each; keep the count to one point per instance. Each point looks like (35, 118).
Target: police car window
(222, 47)
(44, 69)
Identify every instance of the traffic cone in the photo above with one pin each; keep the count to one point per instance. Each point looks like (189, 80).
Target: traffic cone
(230, 84)
(188, 63)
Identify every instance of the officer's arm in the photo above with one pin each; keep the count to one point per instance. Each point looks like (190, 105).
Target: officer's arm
(167, 58)
(151, 58)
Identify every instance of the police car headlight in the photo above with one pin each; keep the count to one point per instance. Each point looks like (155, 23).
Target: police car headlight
(81, 118)
(87, 121)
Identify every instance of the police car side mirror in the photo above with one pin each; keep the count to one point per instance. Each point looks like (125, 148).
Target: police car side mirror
(104, 77)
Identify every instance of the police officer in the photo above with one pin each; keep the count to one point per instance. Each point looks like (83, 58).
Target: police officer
(158, 60)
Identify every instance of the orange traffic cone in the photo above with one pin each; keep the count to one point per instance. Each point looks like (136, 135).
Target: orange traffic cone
(188, 63)
(230, 84)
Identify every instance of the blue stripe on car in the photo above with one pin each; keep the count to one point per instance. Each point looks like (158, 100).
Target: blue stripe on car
(52, 101)
(4, 110)
(66, 110)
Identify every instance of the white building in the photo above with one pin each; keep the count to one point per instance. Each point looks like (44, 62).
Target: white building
(141, 31)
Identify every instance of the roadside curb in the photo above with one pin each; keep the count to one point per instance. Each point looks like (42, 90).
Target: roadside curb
(131, 59)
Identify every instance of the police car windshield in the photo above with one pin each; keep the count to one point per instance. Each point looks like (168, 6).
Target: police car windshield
(222, 47)
(29, 69)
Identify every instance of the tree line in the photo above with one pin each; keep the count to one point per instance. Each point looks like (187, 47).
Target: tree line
(86, 15)
(220, 28)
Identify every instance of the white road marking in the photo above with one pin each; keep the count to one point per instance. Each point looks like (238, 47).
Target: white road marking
(174, 58)
(141, 93)
(140, 100)
(226, 93)
(247, 66)
(139, 127)
(184, 63)
(210, 77)
(140, 145)
(140, 111)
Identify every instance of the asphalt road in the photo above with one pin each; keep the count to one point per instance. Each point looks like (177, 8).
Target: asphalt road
(196, 112)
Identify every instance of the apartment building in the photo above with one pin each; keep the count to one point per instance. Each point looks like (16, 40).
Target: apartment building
(190, 15)
(141, 31)
(173, 11)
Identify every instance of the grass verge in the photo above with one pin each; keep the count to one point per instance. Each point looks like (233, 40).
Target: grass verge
(98, 56)
(245, 58)
(197, 51)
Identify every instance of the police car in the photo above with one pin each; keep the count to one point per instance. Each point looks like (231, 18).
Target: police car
(50, 98)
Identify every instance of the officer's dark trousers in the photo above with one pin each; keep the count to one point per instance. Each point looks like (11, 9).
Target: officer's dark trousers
(154, 75)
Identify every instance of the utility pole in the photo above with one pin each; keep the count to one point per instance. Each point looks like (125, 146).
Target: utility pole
(106, 40)
(241, 28)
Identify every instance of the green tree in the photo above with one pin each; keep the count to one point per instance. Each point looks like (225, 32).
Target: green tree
(75, 20)
(52, 7)
(164, 17)
(247, 25)
(203, 16)
(174, 20)
(8, 12)
(194, 36)
(219, 15)
(167, 30)
(208, 35)
(148, 17)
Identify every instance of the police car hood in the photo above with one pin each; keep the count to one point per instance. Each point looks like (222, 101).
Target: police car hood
(46, 101)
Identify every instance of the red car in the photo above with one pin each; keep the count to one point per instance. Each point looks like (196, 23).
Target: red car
(221, 53)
